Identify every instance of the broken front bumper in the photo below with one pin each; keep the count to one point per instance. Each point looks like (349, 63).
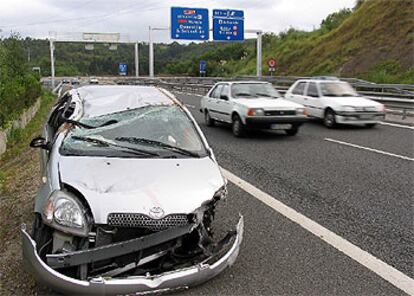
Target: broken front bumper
(177, 279)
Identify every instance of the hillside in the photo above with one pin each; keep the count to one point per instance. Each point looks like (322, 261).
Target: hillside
(374, 41)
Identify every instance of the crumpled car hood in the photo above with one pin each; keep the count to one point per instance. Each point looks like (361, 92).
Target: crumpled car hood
(125, 185)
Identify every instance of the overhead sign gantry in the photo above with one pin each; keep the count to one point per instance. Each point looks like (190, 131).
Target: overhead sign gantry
(193, 24)
(112, 39)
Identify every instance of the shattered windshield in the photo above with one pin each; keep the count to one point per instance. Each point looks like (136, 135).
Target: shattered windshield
(151, 131)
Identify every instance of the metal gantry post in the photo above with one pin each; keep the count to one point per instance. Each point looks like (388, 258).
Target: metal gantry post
(136, 60)
(151, 55)
(52, 62)
(259, 55)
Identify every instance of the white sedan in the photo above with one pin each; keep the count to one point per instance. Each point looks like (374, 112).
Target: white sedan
(336, 102)
(251, 105)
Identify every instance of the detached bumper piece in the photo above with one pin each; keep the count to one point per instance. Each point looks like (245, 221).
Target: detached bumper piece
(106, 285)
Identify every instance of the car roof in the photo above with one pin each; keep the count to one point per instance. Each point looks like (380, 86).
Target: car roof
(99, 100)
(243, 82)
(319, 80)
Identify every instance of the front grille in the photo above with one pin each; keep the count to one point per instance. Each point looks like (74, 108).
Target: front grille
(279, 112)
(143, 221)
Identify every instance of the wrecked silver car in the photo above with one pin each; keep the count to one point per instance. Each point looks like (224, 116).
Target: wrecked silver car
(130, 189)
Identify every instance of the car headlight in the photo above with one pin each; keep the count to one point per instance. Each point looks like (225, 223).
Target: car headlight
(65, 212)
(301, 111)
(349, 109)
(255, 112)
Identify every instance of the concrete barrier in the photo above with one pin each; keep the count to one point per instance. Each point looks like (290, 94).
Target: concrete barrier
(19, 123)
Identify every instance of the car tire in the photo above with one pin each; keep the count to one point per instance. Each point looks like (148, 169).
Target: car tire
(237, 127)
(292, 132)
(370, 125)
(208, 120)
(329, 119)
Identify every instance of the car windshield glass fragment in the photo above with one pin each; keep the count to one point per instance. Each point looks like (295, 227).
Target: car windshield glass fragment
(253, 90)
(151, 131)
(337, 90)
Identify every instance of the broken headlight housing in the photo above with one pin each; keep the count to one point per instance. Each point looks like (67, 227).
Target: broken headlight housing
(209, 205)
(63, 211)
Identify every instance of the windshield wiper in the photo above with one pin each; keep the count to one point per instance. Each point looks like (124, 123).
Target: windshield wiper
(266, 95)
(158, 144)
(106, 143)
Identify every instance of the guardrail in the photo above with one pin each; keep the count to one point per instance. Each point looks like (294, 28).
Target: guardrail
(399, 95)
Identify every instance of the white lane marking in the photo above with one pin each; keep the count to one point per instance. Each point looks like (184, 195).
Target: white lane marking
(397, 125)
(369, 149)
(387, 272)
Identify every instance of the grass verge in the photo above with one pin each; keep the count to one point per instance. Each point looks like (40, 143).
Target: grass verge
(19, 182)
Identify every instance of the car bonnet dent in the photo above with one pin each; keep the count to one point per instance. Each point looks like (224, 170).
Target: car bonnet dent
(117, 185)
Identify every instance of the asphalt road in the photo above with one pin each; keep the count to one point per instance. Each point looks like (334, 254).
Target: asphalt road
(362, 195)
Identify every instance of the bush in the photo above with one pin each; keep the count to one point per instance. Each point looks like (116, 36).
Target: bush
(19, 88)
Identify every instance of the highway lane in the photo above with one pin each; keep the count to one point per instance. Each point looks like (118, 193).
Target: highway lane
(278, 257)
(362, 196)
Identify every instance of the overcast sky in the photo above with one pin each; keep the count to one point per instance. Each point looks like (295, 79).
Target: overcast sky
(36, 18)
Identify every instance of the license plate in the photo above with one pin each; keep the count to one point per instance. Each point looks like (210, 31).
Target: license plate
(366, 116)
(280, 126)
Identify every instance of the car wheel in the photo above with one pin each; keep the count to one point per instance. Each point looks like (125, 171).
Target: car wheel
(238, 127)
(291, 132)
(370, 125)
(208, 120)
(329, 119)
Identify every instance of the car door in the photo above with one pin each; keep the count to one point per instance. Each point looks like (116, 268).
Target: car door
(211, 102)
(297, 93)
(312, 100)
(224, 105)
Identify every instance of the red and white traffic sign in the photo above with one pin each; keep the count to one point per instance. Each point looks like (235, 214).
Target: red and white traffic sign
(271, 62)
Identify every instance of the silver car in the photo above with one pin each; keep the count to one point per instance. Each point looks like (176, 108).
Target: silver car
(130, 189)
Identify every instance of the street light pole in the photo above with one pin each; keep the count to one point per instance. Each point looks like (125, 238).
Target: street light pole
(52, 62)
(136, 60)
(151, 55)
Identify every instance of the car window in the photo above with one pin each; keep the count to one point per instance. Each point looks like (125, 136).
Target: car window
(225, 90)
(253, 90)
(299, 88)
(337, 89)
(137, 129)
(312, 90)
(216, 92)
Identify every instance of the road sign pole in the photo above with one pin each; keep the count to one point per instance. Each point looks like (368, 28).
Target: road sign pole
(259, 55)
(52, 62)
(151, 55)
(136, 61)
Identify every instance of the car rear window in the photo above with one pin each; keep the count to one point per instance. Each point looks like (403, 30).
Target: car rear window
(299, 88)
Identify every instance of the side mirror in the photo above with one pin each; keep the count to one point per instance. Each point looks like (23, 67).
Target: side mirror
(40, 142)
(224, 97)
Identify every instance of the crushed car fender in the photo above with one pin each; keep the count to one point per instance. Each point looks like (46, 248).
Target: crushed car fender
(172, 280)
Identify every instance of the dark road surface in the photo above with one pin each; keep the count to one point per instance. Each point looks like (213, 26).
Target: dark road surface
(363, 196)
